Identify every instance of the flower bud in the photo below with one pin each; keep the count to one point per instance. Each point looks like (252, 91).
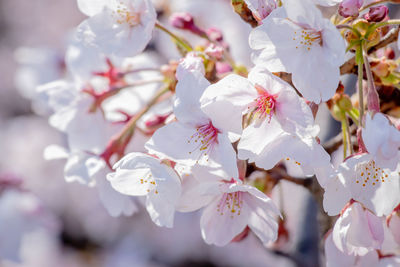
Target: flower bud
(376, 14)
(185, 21)
(344, 103)
(349, 8)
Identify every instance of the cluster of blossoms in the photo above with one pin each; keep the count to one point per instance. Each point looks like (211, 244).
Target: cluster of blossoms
(188, 134)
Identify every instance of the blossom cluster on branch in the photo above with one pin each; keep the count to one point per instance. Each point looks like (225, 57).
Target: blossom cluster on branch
(188, 133)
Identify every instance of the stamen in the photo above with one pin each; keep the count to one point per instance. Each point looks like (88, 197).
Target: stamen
(125, 15)
(205, 137)
(231, 202)
(370, 175)
(264, 104)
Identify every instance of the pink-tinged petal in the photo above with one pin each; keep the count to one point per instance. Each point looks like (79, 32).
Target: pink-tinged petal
(196, 194)
(335, 257)
(115, 203)
(226, 117)
(262, 217)
(233, 88)
(161, 202)
(336, 195)
(224, 155)
(295, 115)
(174, 141)
(219, 227)
(191, 64)
(256, 137)
(358, 231)
(187, 103)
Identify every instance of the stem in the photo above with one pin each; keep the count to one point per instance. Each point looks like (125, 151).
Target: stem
(177, 39)
(344, 133)
(373, 97)
(349, 136)
(348, 27)
(373, 3)
(360, 92)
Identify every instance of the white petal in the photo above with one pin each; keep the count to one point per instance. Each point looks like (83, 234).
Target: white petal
(219, 229)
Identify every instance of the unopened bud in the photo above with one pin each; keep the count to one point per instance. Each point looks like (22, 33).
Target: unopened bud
(349, 8)
(344, 103)
(214, 51)
(376, 14)
(185, 21)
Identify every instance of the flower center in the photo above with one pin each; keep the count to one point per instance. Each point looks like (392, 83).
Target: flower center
(369, 174)
(231, 203)
(151, 181)
(264, 104)
(307, 37)
(205, 137)
(125, 15)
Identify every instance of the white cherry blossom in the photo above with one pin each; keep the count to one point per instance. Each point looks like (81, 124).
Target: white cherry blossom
(138, 174)
(117, 27)
(298, 31)
(362, 179)
(230, 207)
(265, 96)
(194, 138)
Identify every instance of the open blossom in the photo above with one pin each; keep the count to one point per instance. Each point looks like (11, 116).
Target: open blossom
(138, 174)
(117, 27)
(265, 96)
(382, 140)
(357, 231)
(298, 30)
(194, 138)
(362, 179)
(230, 206)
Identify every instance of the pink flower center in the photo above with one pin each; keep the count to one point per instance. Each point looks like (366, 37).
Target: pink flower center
(205, 137)
(264, 104)
(368, 174)
(231, 203)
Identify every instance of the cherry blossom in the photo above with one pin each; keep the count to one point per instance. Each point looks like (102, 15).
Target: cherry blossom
(141, 175)
(298, 30)
(265, 96)
(230, 206)
(194, 138)
(117, 27)
(363, 180)
(357, 231)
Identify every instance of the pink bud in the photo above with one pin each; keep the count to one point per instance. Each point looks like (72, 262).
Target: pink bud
(223, 67)
(349, 8)
(185, 21)
(376, 14)
(214, 51)
(215, 34)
